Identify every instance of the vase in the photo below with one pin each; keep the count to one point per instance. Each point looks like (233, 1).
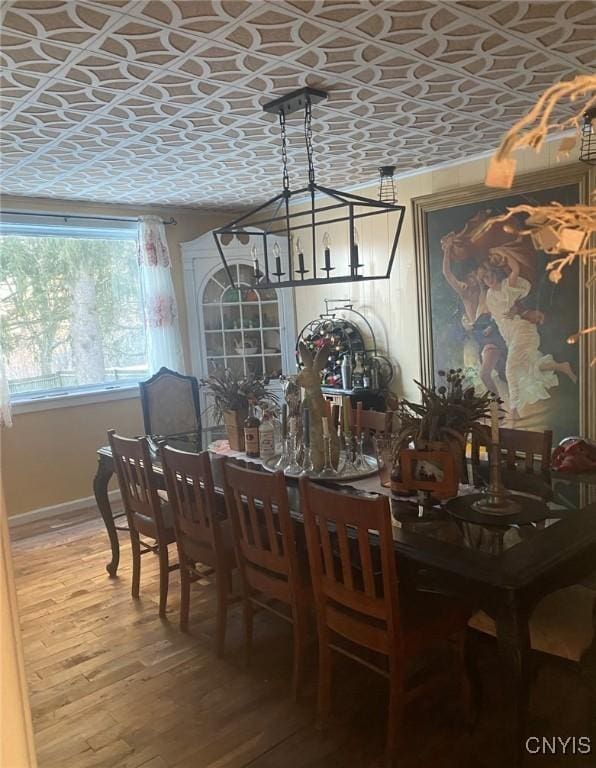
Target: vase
(234, 421)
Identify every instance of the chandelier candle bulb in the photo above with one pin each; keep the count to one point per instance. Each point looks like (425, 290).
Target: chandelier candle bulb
(300, 269)
(327, 252)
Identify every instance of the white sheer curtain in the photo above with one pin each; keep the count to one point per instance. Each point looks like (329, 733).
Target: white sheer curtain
(161, 311)
(5, 416)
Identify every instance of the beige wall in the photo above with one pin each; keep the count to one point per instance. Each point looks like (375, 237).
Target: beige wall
(391, 305)
(49, 456)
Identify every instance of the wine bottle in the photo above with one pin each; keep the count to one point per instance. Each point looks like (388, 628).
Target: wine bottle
(266, 439)
(251, 433)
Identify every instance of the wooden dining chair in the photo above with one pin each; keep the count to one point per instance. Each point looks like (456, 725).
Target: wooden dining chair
(170, 404)
(526, 459)
(147, 514)
(374, 422)
(359, 606)
(203, 531)
(267, 555)
(520, 447)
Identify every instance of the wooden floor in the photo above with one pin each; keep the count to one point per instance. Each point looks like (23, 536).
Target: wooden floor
(112, 685)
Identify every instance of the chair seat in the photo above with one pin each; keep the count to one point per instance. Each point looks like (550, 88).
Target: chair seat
(561, 625)
(146, 525)
(430, 619)
(202, 552)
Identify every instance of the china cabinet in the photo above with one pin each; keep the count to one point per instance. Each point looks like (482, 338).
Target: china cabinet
(246, 328)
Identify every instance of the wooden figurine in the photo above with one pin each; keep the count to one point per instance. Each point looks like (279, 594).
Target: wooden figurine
(310, 379)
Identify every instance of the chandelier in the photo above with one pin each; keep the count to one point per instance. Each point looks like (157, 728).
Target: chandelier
(314, 235)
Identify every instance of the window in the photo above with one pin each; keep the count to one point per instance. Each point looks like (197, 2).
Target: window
(71, 315)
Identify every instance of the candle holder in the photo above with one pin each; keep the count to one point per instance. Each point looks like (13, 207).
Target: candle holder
(293, 466)
(307, 465)
(348, 446)
(360, 462)
(496, 500)
(328, 468)
(284, 458)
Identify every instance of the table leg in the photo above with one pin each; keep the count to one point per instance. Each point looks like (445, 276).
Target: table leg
(513, 637)
(105, 470)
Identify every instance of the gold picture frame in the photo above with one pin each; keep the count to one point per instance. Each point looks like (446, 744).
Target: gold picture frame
(465, 200)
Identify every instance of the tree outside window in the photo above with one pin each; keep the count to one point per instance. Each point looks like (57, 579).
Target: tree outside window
(70, 312)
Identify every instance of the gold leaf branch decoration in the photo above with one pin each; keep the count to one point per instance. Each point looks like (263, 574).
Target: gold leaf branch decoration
(554, 228)
(532, 129)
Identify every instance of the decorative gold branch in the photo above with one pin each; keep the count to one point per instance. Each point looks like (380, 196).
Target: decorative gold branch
(554, 228)
(532, 129)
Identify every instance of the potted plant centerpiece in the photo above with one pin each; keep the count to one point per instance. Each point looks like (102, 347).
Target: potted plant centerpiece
(231, 395)
(430, 447)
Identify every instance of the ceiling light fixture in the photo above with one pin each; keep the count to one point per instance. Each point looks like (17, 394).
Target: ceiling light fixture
(587, 152)
(316, 237)
(386, 186)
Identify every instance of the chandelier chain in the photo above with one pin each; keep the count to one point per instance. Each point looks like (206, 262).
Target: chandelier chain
(308, 140)
(284, 150)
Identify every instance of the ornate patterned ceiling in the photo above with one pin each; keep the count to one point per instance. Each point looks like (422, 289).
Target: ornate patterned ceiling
(160, 101)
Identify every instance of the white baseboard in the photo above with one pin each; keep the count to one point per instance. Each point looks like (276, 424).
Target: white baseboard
(60, 510)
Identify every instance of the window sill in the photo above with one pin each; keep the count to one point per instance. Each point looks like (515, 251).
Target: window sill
(49, 402)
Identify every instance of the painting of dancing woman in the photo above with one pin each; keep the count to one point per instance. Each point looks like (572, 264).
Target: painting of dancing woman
(495, 314)
(530, 374)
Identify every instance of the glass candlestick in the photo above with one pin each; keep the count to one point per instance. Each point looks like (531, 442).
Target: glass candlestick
(360, 462)
(284, 459)
(348, 467)
(328, 468)
(307, 465)
(293, 467)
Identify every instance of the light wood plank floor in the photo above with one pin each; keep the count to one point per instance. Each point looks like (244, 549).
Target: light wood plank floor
(113, 686)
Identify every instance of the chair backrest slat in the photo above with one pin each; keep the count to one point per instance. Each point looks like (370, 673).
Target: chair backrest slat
(344, 553)
(350, 549)
(374, 422)
(192, 496)
(520, 446)
(263, 531)
(134, 470)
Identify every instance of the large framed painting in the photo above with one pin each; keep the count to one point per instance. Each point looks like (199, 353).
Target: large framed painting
(487, 305)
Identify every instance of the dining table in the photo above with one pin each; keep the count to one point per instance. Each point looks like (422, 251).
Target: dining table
(502, 569)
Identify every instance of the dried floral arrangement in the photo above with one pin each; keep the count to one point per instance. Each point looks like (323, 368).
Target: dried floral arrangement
(232, 392)
(448, 412)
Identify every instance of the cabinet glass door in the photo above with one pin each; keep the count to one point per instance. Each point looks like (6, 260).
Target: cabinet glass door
(242, 325)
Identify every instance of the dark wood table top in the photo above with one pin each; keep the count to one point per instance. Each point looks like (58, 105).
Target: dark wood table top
(504, 556)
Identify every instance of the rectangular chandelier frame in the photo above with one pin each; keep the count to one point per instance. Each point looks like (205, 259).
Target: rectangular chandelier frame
(284, 224)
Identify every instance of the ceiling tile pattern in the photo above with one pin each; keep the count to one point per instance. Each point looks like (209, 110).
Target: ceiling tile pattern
(160, 101)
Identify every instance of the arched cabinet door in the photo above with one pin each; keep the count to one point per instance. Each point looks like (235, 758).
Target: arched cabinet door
(246, 328)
